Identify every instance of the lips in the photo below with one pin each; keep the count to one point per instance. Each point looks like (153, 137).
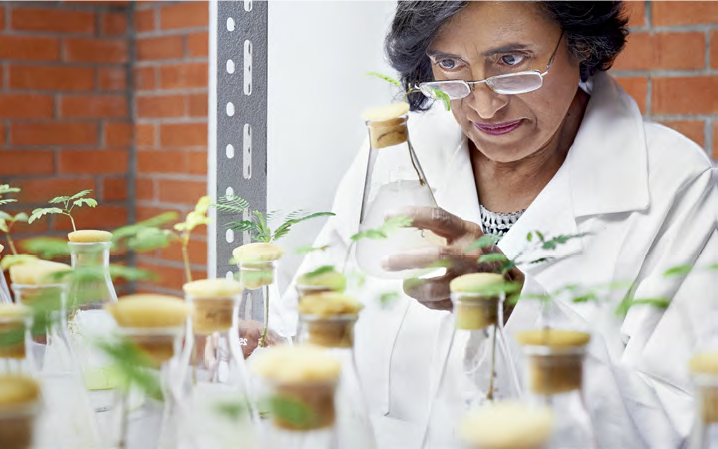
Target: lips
(498, 128)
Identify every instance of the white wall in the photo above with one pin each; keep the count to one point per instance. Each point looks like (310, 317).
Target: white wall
(318, 54)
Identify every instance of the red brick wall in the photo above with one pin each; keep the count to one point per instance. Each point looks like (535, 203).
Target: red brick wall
(65, 120)
(670, 66)
(171, 76)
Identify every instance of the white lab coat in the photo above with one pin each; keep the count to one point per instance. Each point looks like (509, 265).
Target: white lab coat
(646, 195)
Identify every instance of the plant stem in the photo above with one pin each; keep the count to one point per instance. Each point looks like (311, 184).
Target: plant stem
(10, 242)
(416, 169)
(490, 394)
(261, 341)
(73, 222)
(185, 258)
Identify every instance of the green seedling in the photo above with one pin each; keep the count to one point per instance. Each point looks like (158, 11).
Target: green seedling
(68, 202)
(438, 94)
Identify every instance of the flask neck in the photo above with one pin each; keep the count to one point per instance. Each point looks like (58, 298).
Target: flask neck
(336, 332)
(90, 254)
(705, 432)
(255, 275)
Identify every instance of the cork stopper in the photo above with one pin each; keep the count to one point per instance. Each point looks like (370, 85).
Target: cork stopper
(213, 288)
(331, 280)
(704, 367)
(555, 359)
(327, 319)
(89, 236)
(19, 397)
(304, 376)
(507, 425)
(258, 252)
(37, 272)
(18, 390)
(12, 330)
(387, 125)
(476, 306)
(149, 311)
(705, 363)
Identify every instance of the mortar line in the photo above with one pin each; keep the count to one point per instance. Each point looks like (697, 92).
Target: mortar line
(132, 157)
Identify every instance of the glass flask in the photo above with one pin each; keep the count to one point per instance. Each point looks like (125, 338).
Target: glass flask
(20, 404)
(554, 379)
(704, 370)
(394, 180)
(297, 384)
(67, 420)
(150, 332)
(220, 398)
(507, 425)
(479, 369)
(258, 329)
(327, 320)
(15, 325)
(4, 290)
(90, 290)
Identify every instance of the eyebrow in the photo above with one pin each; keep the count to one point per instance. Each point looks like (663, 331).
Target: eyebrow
(494, 51)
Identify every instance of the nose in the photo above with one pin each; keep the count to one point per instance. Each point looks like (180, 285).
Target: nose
(485, 101)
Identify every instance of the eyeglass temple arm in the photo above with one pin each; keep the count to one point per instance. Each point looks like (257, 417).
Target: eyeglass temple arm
(553, 55)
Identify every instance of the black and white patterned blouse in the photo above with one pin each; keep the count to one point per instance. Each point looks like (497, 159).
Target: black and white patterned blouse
(497, 224)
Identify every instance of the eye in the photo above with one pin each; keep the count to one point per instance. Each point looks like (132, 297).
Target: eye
(512, 60)
(447, 64)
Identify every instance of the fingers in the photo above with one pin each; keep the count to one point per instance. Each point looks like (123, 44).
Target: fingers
(420, 258)
(432, 293)
(439, 221)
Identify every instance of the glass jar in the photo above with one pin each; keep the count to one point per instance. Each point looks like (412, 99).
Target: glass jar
(479, 369)
(20, 405)
(507, 425)
(220, 397)
(67, 420)
(704, 370)
(554, 379)
(394, 180)
(15, 339)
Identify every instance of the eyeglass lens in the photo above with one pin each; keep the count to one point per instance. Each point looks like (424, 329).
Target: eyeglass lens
(512, 84)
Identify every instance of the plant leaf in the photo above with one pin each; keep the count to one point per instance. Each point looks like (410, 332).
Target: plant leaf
(389, 226)
(7, 201)
(310, 249)
(387, 299)
(492, 257)
(385, 78)
(284, 229)
(679, 270)
(3, 226)
(22, 216)
(38, 213)
(86, 201)
(80, 194)
(320, 270)
(484, 241)
(242, 226)
(125, 232)
(59, 199)
(529, 236)
(443, 96)
(5, 188)
(47, 247)
(559, 240)
(12, 259)
(5, 216)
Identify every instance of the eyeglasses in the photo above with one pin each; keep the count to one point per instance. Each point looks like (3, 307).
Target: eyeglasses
(507, 84)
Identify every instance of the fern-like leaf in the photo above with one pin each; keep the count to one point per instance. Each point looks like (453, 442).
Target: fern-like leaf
(5, 216)
(484, 241)
(38, 213)
(385, 78)
(7, 201)
(242, 226)
(5, 188)
(86, 201)
(47, 247)
(232, 204)
(22, 216)
(284, 229)
(59, 199)
(80, 194)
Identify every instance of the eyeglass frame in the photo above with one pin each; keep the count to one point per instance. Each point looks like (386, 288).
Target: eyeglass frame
(426, 90)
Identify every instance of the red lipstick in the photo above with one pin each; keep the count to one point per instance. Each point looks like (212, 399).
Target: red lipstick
(498, 128)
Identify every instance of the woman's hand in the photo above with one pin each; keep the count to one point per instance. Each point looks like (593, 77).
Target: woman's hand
(434, 293)
(249, 334)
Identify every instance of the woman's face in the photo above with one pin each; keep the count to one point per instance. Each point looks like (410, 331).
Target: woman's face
(491, 38)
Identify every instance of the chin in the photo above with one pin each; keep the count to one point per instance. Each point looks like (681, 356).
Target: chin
(512, 151)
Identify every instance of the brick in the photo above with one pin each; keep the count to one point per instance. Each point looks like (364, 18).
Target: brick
(636, 13)
(184, 76)
(183, 134)
(51, 78)
(145, 78)
(114, 189)
(645, 51)
(685, 95)
(184, 15)
(20, 106)
(162, 161)
(96, 50)
(52, 20)
(197, 163)
(161, 106)
(53, 133)
(715, 141)
(145, 135)
(93, 161)
(144, 20)
(114, 23)
(117, 134)
(159, 48)
(100, 217)
(183, 192)
(693, 129)
(2, 17)
(714, 49)
(198, 105)
(197, 250)
(99, 2)
(170, 277)
(26, 162)
(636, 87)
(670, 13)
(44, 189)
(2, 135)
(198, 44)
(36, 227)
(93, 106)
(144, 189)
(111, 78)
(29, 48)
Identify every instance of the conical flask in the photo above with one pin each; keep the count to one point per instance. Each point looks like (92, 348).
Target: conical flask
(67, 420)
(394, 181)
(91, 289)
(150, 329)
(257, 264)
(20, 405)
(479, 369)
(4, 290)
(297, 385)
(220, 398)
(507, 425)
(554, 378)
(15, 340)
(327, 320)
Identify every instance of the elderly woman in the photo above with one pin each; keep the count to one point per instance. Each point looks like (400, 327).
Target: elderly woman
(539, 137)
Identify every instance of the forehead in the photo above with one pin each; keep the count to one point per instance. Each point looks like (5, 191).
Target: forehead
(483, 25)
